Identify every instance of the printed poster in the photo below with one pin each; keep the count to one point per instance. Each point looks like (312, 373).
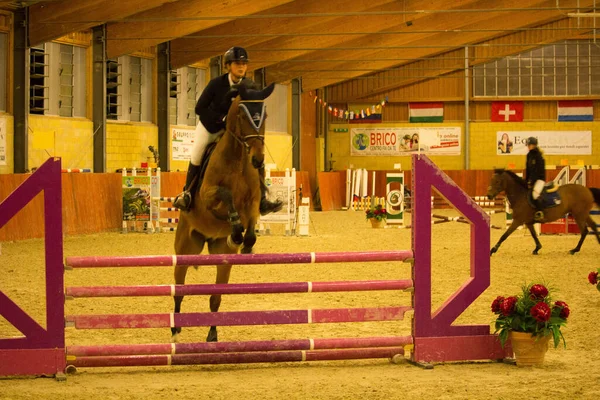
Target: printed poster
(136, 198)
(3, 142)
(445, 141)
(182, 140)
(550, 142)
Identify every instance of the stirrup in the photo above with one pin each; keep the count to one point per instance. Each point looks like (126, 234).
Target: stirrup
(539, 215)
(183, 201)
(267, 206)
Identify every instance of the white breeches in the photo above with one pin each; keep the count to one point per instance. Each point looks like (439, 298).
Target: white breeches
(202, 138)
(538, 186)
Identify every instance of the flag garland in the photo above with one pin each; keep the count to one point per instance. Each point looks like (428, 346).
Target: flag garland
(350, 114)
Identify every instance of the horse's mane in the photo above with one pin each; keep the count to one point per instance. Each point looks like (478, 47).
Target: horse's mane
(514, 176)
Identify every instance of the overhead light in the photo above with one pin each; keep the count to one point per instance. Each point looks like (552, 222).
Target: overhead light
(583, 15)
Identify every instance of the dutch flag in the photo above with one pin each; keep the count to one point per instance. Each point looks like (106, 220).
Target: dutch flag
(578, 110)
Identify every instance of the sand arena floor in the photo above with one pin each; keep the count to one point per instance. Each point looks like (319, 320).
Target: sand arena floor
(573, 373)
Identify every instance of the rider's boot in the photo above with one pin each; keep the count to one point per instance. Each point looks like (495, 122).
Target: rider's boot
(267, 206)
(183, 201)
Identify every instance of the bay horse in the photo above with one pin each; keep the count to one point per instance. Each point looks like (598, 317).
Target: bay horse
(575, 199)
(226, 203)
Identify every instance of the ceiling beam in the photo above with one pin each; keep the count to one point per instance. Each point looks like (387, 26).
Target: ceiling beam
(356, 59)
(124, 37)
(288, 48)
(45, 18)
(189, 49)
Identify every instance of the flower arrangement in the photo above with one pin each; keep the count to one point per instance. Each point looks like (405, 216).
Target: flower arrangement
(378, 212)
(593, 278)
(533, 312)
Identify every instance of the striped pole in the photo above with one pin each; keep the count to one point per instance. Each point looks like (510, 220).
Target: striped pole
(229, 347)
(236, 318)
(236, 358)
(237, 288)
(238, 259)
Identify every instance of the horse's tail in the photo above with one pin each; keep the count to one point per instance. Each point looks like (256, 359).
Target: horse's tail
(596, 193)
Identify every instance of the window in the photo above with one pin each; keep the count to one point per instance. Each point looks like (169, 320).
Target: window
(57, 83)
(129, 89)
(38, 67)
(3, 69)
(277, 110)
(186, 85)
(568, 68)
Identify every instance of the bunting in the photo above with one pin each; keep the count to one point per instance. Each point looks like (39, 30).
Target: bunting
(350, 114)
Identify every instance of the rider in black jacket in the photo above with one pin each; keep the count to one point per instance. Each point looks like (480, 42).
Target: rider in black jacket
(535, 175)
(212, 108)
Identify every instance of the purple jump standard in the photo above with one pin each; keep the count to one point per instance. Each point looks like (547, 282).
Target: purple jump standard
(237, 288)
(229, 347)
(238, 259)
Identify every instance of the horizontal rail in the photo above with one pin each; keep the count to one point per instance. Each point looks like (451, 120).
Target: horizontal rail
(238, 259)
(226, 347)
(236, 358)
(235, 318)
(237, 288)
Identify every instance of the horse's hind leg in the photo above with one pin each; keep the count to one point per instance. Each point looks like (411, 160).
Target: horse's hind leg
(581, 223)
(185, 243)
(223, 272)
(592, 224)
(538, 245)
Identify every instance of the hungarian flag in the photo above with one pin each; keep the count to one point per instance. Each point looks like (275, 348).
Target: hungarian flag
(507, 111)
(577, 110)
(426, 112)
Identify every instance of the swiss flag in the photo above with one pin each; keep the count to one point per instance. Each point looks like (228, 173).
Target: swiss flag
(507, 111)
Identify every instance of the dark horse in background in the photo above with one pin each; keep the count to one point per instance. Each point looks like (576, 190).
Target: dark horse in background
(577, 200)
(226, 205)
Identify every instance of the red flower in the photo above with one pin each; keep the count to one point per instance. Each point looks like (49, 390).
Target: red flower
(541, 312)
(496, 304)
(538, 292)
(593, 278)
(508, 305)
(565, 311)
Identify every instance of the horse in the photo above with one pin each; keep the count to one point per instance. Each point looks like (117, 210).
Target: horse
(575, 199)
(226, 204)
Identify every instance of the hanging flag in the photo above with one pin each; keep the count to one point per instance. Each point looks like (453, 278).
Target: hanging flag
(368, 112)
(577, 110)
(362, 114)
(507, 111)
(346, 114)
(426, 112)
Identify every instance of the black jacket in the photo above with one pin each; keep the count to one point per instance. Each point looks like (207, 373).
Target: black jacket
(536, 167)
(211, 106)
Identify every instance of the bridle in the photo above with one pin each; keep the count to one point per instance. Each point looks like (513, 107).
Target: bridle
(244, 139)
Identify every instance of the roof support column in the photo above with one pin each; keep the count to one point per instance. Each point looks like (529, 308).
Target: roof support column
(99, 97)
(162, 92)
(20, 91)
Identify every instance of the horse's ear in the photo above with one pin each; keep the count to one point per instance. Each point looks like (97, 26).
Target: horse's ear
(266, 92)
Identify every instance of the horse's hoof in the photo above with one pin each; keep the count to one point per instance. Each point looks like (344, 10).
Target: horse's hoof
(212, 335)
(493, 250)
(571, 252)
(175, 338)
(246, 250)
(535, 252)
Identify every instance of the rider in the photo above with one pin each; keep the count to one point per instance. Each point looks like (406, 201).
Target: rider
(535, 175)
(212, 108)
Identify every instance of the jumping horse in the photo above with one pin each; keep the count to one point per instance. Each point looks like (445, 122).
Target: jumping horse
(575, 199)
(226, 204)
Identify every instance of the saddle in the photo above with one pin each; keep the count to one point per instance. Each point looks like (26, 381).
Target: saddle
(549, 197)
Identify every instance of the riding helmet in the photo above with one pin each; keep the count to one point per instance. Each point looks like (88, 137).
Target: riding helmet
(235, 54)
(532, 140)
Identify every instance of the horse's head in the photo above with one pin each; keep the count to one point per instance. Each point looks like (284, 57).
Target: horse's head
(497, 184)
(246, 121)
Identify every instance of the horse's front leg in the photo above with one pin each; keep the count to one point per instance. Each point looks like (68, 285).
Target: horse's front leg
(513, 227)
(538, 245)
(249, 237)
(225, 196)
(219, 246)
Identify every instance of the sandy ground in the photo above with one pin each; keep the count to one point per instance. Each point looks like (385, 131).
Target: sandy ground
(572, 373)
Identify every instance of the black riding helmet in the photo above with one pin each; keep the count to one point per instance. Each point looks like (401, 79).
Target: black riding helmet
(532, 140)
(235, 54)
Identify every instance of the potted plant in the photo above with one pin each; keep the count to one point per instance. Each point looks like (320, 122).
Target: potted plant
(377, 215)
(529, 320)
(593, 278)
